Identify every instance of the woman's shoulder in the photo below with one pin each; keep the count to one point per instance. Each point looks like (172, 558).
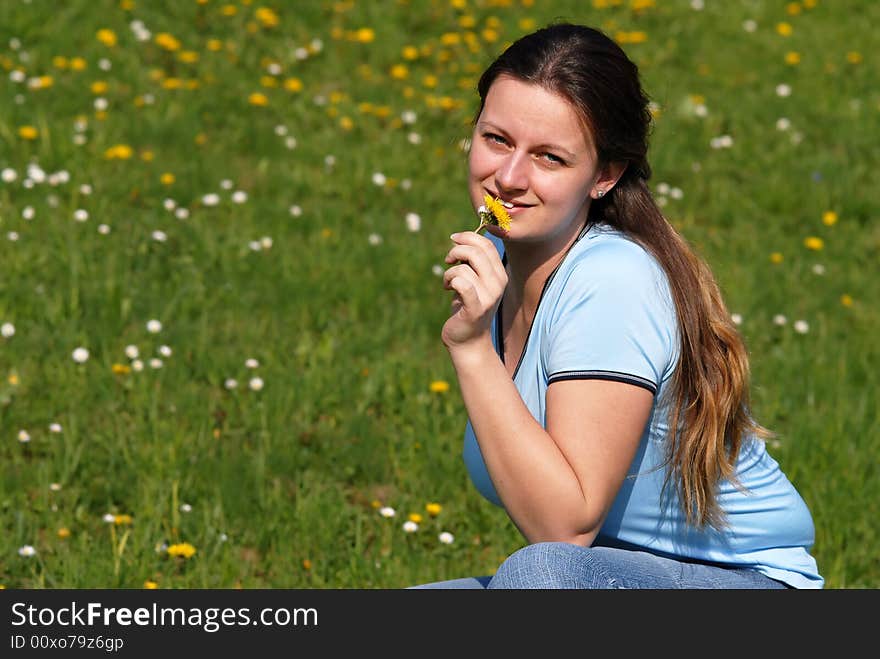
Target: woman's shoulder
(607, 253)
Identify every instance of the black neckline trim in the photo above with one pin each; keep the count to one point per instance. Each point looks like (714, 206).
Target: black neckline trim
(499, 336)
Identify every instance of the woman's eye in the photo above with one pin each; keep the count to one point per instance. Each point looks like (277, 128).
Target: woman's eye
(495, 139)
(556, 160)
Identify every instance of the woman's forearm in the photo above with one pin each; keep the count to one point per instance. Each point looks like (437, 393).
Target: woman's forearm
(535, 482)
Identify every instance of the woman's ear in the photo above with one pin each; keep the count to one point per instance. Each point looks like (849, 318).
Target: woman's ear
(607, 178)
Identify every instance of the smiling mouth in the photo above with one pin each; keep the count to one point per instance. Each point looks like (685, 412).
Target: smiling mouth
(509, 204)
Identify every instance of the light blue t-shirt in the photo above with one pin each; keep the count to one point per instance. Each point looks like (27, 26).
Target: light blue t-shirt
(607, 313)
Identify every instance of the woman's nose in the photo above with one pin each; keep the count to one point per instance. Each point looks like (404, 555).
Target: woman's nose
(512, 173)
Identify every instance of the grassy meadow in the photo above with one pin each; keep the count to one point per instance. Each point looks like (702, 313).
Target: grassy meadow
(222, 228)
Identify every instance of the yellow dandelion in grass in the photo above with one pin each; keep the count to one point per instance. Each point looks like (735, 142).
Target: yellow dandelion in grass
(267, 17)
(99, 87)
(293, 85)
(792, 58)
(107, 37)
(439, 386)
(122, 520)
(118, 152)
(415, 517)
(793, 8)
(60, 62)
(63, 533)
(78, 64)
(28, 133)
(493, 212)
(636, 36)
(365, 35)
(399, 72)
(784, 29)
(846, 300)
(375, 503)
(188, 57)
(167, 42)
(307, 564)
(433, 509)
(345, 123)
(814, 243)
(183, 549)
(258, 99)
(854, 57)
(214, 45)
(410, 53)
(229, 10)
(829, 218)
(121, 369)
(776, 258)
(167, 179)
(150, 585)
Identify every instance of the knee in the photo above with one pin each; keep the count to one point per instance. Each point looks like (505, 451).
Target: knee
(550, 565)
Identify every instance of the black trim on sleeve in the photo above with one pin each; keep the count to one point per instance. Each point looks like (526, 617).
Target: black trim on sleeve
(614, 376)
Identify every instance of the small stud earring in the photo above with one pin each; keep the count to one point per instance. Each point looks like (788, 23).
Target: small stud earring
(600, 194)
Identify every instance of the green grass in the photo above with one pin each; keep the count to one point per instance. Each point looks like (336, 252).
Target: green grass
(282, 483)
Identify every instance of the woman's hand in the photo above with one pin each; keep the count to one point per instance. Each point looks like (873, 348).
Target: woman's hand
(478, 279)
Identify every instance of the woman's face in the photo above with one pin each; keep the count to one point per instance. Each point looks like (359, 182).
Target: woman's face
(530, 149)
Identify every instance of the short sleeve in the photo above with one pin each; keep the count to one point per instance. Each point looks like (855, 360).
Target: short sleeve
(614, 319)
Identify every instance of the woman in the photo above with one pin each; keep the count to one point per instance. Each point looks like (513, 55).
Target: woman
(606, 387)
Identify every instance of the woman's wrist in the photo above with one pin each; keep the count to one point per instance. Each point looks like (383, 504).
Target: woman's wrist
(472, 354)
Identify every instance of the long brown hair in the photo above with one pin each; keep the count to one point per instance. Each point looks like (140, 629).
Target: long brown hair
(709, 408)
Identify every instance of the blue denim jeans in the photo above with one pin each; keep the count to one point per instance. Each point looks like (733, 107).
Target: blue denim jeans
(552, 565)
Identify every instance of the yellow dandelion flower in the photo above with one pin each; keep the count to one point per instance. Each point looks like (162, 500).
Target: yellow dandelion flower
(439, 386)
(167, 179)
(63, 533)
(489, 35)
(258, 99)
(121, 520)
(846, 300)
(793, 8)
(399, 72)
(150, 585)
(13, 379)
(784, 29)
(375, 503)
(184, 549)
(268, 81)
(410, 53)
(60, 62)
(809, 4)
(853, 57)
(433, 508)
(118, 152)
(365, 35)
(430, 81)
(229, 10)
(630, 37)
(307, 564)
(493, 212)
(214, 45)
(345, 123)
(267, 17)
(829, 218)
(107, 37)
(792, 58)
(167, 41)
(121, 369)
(467, 21)
(814, 243)
(527, 24)
(188, 56)
(99, 87)
(28, 133)
(78, 64)
(415, 517)
(776, 258)
(172, 83)
(147, 155)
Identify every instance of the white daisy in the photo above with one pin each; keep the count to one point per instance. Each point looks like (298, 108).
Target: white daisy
(80, 215)
(255, 384)
(801, 326)
(379, 179)
(155, 362)
(55, 427)
(154, 326)
(446, 538)
(295, 210)
(24, 436)
(103, 229)
(80, 355)
(165, 351)
(7, 330)
(230, 383)
(387, 511)
(410, 526)
(239, 196)
(251, 363)
(413, 222)
(779, 320)
(27, 551)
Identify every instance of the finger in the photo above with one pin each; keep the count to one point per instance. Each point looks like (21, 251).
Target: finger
(468, 292)
(483, 244)
(462, 270)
